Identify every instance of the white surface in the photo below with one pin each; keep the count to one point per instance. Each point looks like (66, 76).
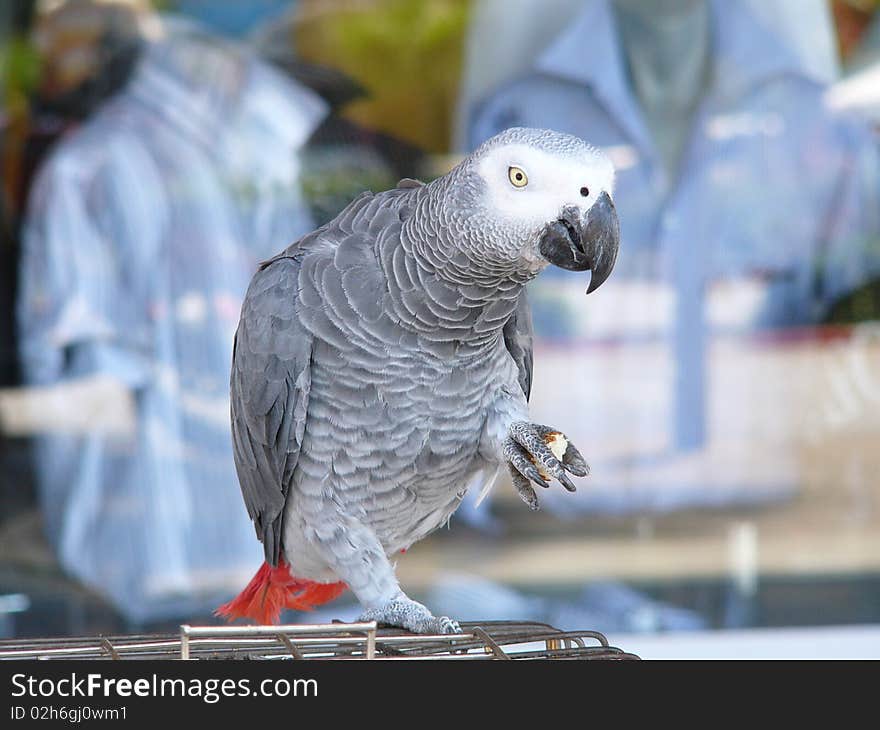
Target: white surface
(826, 642)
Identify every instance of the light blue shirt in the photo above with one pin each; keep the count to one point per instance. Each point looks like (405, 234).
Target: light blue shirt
(144, 228)
(774, 215)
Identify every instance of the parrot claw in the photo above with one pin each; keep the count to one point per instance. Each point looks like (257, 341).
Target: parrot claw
(523, 488)
(411, 615)
(447, 625)
(536, 453)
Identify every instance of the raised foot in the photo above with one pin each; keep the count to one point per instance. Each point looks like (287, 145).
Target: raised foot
(407, 614)
(536, 453)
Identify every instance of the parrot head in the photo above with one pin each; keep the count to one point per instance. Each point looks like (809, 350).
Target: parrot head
(544, 197)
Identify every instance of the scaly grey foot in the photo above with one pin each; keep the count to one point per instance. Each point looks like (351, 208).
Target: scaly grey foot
(407, 614)
(537, 453)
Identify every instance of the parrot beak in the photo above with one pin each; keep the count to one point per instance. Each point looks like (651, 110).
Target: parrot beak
(579, 243)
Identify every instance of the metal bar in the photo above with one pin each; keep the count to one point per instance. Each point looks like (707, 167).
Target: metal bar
(484, 640)
(218, 631)
(184, 642)
(269, 642)
(108, 647)
(593, 635)
(295, 652)
(491, 645)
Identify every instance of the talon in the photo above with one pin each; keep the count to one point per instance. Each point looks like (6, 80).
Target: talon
(448, 626)
(536, 476)
(540, 453)
(523, 488)
(565, 481)
(574, 462)
(519, 458)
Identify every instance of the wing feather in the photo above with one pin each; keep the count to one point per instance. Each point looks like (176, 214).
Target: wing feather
(269, 391)
(518, 340)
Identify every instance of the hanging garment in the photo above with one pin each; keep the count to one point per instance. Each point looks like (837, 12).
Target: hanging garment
(699, 380)
(143, 230)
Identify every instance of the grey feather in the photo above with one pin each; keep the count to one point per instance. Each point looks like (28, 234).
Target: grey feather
(518, 337)
(269, 391)
(408, 182)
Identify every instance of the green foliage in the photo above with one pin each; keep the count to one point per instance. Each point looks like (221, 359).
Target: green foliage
(866, 6)
(406, 53)
(19, 70)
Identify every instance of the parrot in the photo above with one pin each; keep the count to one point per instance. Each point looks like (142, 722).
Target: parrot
(382, 367)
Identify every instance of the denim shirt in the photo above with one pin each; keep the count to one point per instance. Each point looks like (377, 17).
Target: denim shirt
(143, 230)
(773, 215)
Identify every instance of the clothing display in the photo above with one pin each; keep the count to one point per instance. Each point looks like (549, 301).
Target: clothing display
(143, 230)
(699, 383)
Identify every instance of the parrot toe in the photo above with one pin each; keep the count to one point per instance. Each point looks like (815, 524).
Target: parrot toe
(538, 453)
(446, 625)
(523, 488)
(411, 615)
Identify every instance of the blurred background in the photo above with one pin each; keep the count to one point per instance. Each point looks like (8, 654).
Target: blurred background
(724, 383)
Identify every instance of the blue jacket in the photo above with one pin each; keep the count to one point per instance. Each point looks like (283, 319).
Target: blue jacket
(143, 230)
(773, 216)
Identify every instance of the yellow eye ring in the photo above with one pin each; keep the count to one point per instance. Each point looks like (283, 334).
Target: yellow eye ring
(517, 177)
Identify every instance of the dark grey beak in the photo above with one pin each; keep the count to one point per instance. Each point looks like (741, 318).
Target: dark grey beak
(578, 244)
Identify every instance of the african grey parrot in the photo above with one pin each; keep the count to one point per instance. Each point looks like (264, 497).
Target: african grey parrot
(383, 363)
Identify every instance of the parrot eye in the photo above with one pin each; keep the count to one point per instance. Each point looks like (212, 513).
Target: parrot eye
(517, 177)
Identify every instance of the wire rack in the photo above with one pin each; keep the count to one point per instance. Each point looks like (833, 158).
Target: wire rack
(477, 641)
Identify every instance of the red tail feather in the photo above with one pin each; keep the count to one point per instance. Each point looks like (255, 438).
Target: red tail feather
(272, 589)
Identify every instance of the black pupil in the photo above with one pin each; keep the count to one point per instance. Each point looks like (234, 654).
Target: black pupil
(519, 176)
(585, 192)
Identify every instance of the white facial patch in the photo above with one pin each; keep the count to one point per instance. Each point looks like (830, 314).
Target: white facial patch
(554, 182)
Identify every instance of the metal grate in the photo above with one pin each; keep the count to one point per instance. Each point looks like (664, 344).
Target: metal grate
(478, 640)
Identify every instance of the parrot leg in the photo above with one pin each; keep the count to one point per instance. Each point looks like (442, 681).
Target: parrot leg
(357, 558)
(537, 453)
